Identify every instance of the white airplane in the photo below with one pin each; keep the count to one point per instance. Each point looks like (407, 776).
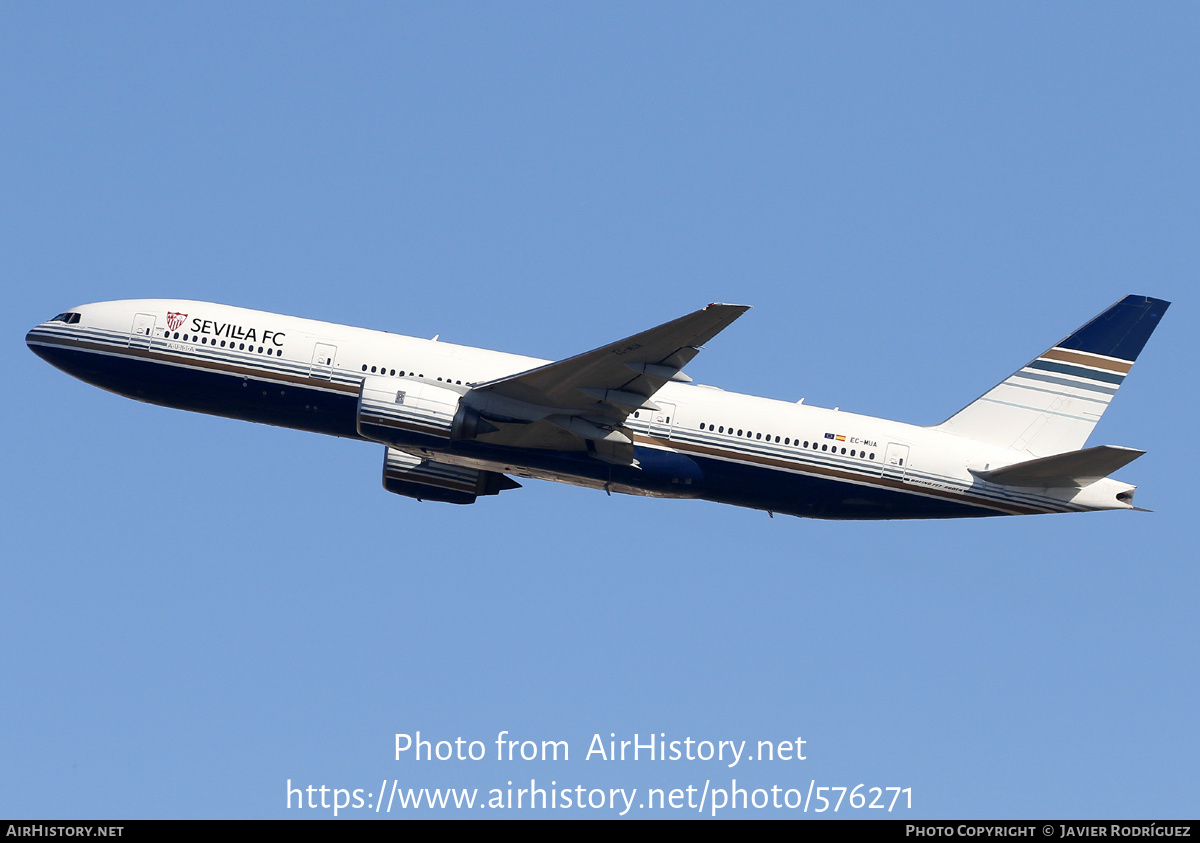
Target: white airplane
(456, 420)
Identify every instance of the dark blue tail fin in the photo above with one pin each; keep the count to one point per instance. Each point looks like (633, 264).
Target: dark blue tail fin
(1051, 405)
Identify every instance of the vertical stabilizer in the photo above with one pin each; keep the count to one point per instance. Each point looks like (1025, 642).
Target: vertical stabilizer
(1051, 405)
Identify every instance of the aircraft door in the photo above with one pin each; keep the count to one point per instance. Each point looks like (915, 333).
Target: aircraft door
(895, 461)
(142, 331)
(322, 361)
(661, 420)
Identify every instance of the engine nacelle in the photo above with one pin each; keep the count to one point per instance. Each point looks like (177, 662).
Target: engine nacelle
(394, 411)
(425, 480)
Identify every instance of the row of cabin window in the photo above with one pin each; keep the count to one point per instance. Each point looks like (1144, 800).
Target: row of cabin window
(240, 346)
(787, 441)
(383, 370)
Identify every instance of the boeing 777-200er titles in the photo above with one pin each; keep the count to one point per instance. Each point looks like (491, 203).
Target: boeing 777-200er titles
(455, 421)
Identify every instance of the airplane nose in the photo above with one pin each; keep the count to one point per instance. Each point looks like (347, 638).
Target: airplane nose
(31, 340)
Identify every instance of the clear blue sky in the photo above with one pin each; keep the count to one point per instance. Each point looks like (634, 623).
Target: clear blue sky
(916, 198)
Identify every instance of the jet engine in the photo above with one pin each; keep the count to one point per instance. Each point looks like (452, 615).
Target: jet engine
(400, 411)
(425, 480)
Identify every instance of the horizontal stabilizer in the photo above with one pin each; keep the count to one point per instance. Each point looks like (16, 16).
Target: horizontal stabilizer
(1075, 468)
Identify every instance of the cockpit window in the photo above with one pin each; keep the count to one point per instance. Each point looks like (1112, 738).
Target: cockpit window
(68, 318)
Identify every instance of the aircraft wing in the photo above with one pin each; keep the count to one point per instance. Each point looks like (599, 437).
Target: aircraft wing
(599, 389)
(623, 374)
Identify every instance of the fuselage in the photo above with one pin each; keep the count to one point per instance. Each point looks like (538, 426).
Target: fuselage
(699, 442)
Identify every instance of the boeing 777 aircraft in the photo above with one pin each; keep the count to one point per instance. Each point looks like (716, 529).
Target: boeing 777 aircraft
(455, 421)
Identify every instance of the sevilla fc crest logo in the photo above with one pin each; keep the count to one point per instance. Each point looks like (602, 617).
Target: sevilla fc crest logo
(174, 320)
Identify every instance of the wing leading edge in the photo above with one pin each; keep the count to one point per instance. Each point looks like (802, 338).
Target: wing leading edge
(624, 373)
(588, 397)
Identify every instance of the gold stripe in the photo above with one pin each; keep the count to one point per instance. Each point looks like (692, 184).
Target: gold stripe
(1084, 359)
